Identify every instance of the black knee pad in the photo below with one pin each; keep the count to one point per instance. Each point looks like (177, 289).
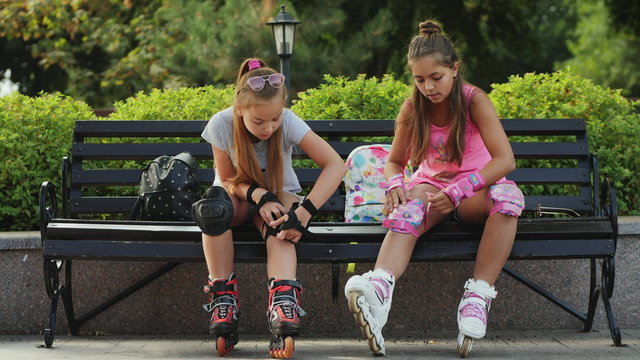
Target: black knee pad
(214, 212)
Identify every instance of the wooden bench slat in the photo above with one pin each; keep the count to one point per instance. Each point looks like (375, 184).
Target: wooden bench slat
(528, 229)
(202, 151)
(124, 177)
(193, 128)
(124, 204)
(318, 253)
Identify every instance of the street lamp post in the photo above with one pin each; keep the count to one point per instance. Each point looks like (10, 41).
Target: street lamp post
(284, 31)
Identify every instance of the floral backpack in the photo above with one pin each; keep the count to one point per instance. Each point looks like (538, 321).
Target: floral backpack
(364, 195)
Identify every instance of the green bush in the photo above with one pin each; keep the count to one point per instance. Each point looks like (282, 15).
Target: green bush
(341, 98)
(169, 104)
(180, 104)
(35, 133)
(613, 122)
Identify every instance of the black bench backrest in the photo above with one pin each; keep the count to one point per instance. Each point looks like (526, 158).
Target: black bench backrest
(564, 139)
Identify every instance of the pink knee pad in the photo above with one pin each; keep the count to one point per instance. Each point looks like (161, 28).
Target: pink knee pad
(507, 198)
(406, 218)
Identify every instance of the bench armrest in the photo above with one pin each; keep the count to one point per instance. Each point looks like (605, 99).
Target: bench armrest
(47, 197)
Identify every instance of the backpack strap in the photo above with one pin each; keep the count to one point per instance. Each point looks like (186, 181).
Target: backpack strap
(136, 212)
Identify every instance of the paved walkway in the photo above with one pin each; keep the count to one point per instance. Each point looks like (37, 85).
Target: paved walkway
(556, 344)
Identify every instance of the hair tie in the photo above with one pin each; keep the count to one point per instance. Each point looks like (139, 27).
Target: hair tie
(254, 64)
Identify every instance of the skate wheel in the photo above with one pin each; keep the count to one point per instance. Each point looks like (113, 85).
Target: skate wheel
(353, 302)
(223, 346)
(284, 350)
(376, 350)
(465, 348)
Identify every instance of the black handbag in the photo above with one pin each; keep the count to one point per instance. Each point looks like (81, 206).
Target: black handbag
(168, 188)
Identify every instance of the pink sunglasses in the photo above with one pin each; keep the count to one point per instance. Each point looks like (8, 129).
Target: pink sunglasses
(257, 82)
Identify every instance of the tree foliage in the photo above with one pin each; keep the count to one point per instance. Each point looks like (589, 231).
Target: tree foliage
(604, 50)
(104, 51)
(612, 122)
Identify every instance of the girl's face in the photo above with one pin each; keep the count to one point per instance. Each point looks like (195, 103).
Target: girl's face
(432, 79)
(262, 120)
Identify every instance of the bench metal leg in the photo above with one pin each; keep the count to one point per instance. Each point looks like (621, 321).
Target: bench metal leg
(335, 282)
(125, 293)
(605, 291)
(595, 292)
(55, 290)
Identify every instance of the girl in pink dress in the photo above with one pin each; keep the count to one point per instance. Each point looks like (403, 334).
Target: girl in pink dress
(451, 129)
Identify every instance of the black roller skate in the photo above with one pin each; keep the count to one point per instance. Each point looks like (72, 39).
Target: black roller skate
(225, 309)
(283, 316)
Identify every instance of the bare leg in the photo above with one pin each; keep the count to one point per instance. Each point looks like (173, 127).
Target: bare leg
(395, 252)
(495, 247)
(218, 250)
(497, 237)
(282, 259)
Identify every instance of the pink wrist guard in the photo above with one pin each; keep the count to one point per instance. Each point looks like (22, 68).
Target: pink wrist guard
(464, 188)
(395, 181)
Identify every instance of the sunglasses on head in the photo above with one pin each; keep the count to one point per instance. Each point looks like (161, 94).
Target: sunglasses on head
(257, 82)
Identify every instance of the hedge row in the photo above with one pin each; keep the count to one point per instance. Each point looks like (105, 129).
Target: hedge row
(36, 132)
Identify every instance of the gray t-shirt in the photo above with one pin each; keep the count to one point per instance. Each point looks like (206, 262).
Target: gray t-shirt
(219, 132)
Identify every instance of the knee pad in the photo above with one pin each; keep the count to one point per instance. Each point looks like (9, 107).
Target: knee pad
(507, 199)
(214, 212)
(406, 218)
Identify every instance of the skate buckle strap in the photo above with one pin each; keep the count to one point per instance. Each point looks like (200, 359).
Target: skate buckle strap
(406, 218)
(288, 306)
(224, 300)
(287, 299)
(221, 287)
(472, 285)
(400, 226)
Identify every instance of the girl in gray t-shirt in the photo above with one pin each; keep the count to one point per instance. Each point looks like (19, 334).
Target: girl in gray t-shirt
(252, 142)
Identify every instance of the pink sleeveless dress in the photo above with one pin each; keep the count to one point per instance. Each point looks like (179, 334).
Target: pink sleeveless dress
(436, 169)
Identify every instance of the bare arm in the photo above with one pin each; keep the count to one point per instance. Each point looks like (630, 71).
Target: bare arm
(502, 163)
(484, 116)
(333, 170)
(225, 169)
(398, 156)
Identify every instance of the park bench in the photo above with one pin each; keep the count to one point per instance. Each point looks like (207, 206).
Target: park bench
(77, 230)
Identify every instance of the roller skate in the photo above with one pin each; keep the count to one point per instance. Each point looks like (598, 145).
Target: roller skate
(284, 316)
(369, 297)
(225, 309)
(472, 313)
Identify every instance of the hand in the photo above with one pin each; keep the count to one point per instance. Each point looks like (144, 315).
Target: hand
(292, 235)
(394, 198)
(271, 211)
(440, 202)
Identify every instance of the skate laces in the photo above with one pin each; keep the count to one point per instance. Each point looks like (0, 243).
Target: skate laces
(475, 306)
(286, 297)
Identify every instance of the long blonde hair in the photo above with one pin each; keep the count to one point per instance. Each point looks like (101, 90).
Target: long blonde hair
(247, 166)
(431, 41)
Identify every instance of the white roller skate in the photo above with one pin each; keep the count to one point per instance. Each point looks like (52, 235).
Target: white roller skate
(473, 312)
(369, 297)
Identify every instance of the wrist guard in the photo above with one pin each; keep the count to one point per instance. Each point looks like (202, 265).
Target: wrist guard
(294, 223)
(267, 197)
(308, 205)
(396, 181)
(464, 188)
